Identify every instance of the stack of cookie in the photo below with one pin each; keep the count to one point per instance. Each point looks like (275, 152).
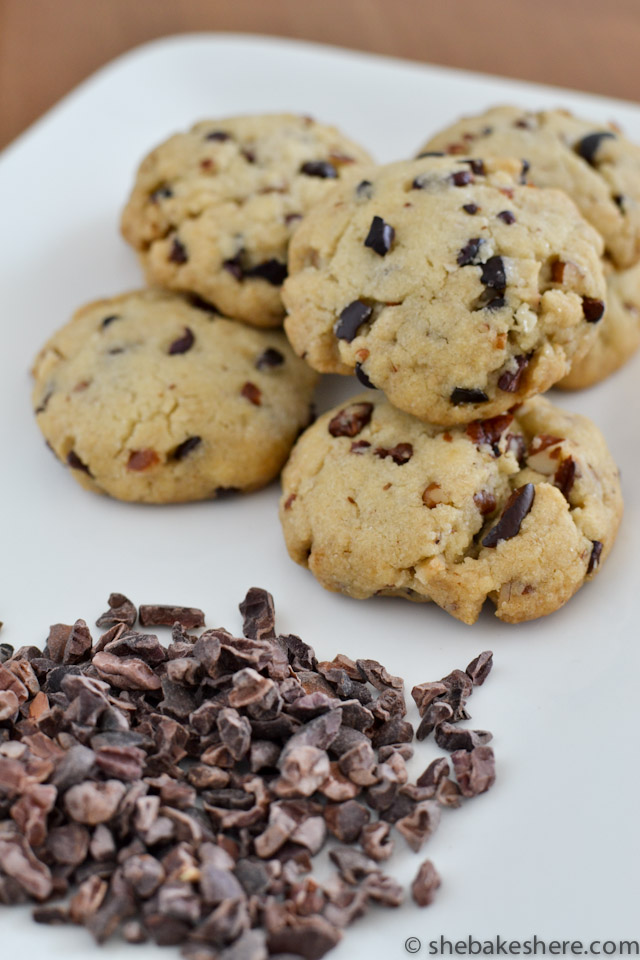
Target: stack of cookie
(462, 285)
(158, 395)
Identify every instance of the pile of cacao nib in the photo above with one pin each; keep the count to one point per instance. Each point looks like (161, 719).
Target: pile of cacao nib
(178, 793)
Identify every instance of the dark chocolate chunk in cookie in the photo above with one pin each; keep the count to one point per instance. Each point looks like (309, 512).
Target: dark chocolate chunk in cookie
(319, 168)
(363, 378)
(273, 271)
(593, 309)
(469, 252)
(269, 359)
(493, 273)
(76, 463)
(380, 236)
(182, 344)
(468, 395)
(587, 148)
(178, 252)
(186, 447)
(351, 319)
(516, 509)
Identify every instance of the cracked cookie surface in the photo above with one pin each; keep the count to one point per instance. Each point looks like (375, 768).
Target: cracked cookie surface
(447, 284)
(148, 398)
(212, 210)
(521, 508)
(594, 163)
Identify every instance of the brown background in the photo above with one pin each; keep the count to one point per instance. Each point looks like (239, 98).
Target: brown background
(48, 46)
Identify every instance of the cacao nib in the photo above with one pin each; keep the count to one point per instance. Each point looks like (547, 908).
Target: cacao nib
(121, 610)
(258, 613)
(480, 668)
(425, 884)
(474, 769)
(451, 738)
(134, 771)
(376, 841)
(158, 614)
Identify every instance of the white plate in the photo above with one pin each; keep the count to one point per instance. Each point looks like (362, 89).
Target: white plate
(553, 848)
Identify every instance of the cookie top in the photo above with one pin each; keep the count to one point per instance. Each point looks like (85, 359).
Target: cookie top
(618, 335)
(212, 210)
(592, 162)
(521, 508)
(148, 398)
(447, 284)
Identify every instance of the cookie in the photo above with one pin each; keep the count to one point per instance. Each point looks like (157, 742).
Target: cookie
(148, 398)
(618, 335)
(592, 162)
(212, 210)
(447, 284)
(521, 508)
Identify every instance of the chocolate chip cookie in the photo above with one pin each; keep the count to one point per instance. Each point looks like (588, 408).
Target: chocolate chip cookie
(618, 335)
(594, 163)
(522, 508)
(148, 398)
(212, 210)
(447, 284)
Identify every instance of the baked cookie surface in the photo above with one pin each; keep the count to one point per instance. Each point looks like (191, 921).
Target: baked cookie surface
(212, 210)
(447, 284)
(148, 398)
(594, 163)
(521, 508)
(618, 335)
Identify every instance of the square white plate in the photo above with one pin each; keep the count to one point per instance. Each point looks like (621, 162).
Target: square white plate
(553, 849)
